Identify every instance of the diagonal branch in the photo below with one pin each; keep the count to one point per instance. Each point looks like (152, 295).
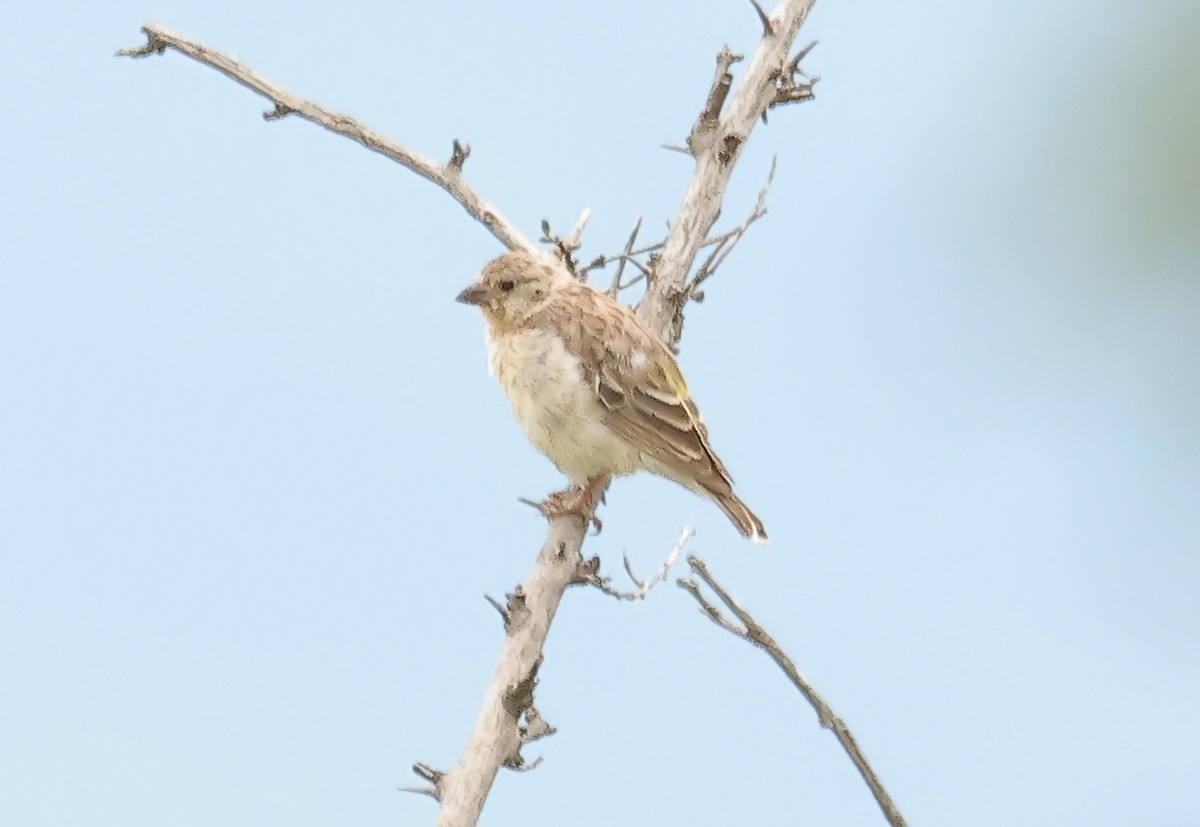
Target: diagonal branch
(725, 243)
(752, 632)
(662, 305)
(448, 176)
(498, 733)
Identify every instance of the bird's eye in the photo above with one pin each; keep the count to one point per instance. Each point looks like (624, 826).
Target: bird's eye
(506, 285)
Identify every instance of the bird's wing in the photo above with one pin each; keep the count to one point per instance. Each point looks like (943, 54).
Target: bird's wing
(636, 379)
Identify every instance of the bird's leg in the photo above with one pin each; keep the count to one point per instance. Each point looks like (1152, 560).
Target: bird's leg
(577, 500)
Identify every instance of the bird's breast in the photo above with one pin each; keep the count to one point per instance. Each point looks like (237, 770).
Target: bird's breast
(542, 379)
(555, 404)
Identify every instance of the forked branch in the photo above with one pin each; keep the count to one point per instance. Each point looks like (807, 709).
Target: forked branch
(508, 718)
(641, 587)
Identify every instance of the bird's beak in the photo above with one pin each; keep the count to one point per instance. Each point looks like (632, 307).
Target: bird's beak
(474, 294)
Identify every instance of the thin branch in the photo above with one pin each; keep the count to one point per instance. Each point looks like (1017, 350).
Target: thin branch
(448, 176)
(429, 791)
(577, 232)
(730, 239)
(504, 615)
(752, 632)
(793, 66)
(432, 776)
(711, 612)
(658, 245)
(565, 248)
(768, 26)
(615, 287)
(523, 767)
(643, 587)
(644, 272)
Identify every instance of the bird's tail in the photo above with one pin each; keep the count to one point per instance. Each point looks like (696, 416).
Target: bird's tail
(740, 514)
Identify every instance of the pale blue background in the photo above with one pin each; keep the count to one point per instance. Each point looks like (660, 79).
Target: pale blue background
(254, 480)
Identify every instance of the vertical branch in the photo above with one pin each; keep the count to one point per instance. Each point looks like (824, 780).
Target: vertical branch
(701, 204)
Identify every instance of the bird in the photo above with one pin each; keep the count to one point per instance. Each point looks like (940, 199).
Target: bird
(594, 387)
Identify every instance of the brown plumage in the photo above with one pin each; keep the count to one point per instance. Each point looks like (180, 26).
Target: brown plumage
(594, 387)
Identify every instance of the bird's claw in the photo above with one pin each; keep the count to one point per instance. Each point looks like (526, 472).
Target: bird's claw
(569, 502)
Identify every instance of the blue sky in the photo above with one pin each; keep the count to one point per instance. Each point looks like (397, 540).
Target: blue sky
(254, 479)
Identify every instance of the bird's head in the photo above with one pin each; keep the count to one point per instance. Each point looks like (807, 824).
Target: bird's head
(514, 286)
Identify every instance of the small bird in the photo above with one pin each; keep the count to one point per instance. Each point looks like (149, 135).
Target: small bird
(594, 387)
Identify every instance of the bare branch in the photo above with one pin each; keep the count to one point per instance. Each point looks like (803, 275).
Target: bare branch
(615, 287)
(714, 165)
(523, 767)
(429, 791)
(643, 587)
(624, 258)
(729, 240)
(704, 129)
(503, 611)
(793, 66)
(535, 727)
(631, 256)
(710, 611)
(577, 233)
(461, 152)
(754, 633)
(447, 176)
(496, 736)
(565, 248)
(789, 89)
(768, 26)
(434, 777)
(587, 571)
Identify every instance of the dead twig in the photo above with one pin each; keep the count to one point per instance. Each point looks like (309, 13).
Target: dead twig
(565, 248)
(432, 776)
(724, 246)
(616, 286)
(643, 587)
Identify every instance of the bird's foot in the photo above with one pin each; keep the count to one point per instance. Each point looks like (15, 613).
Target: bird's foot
(578, 501)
